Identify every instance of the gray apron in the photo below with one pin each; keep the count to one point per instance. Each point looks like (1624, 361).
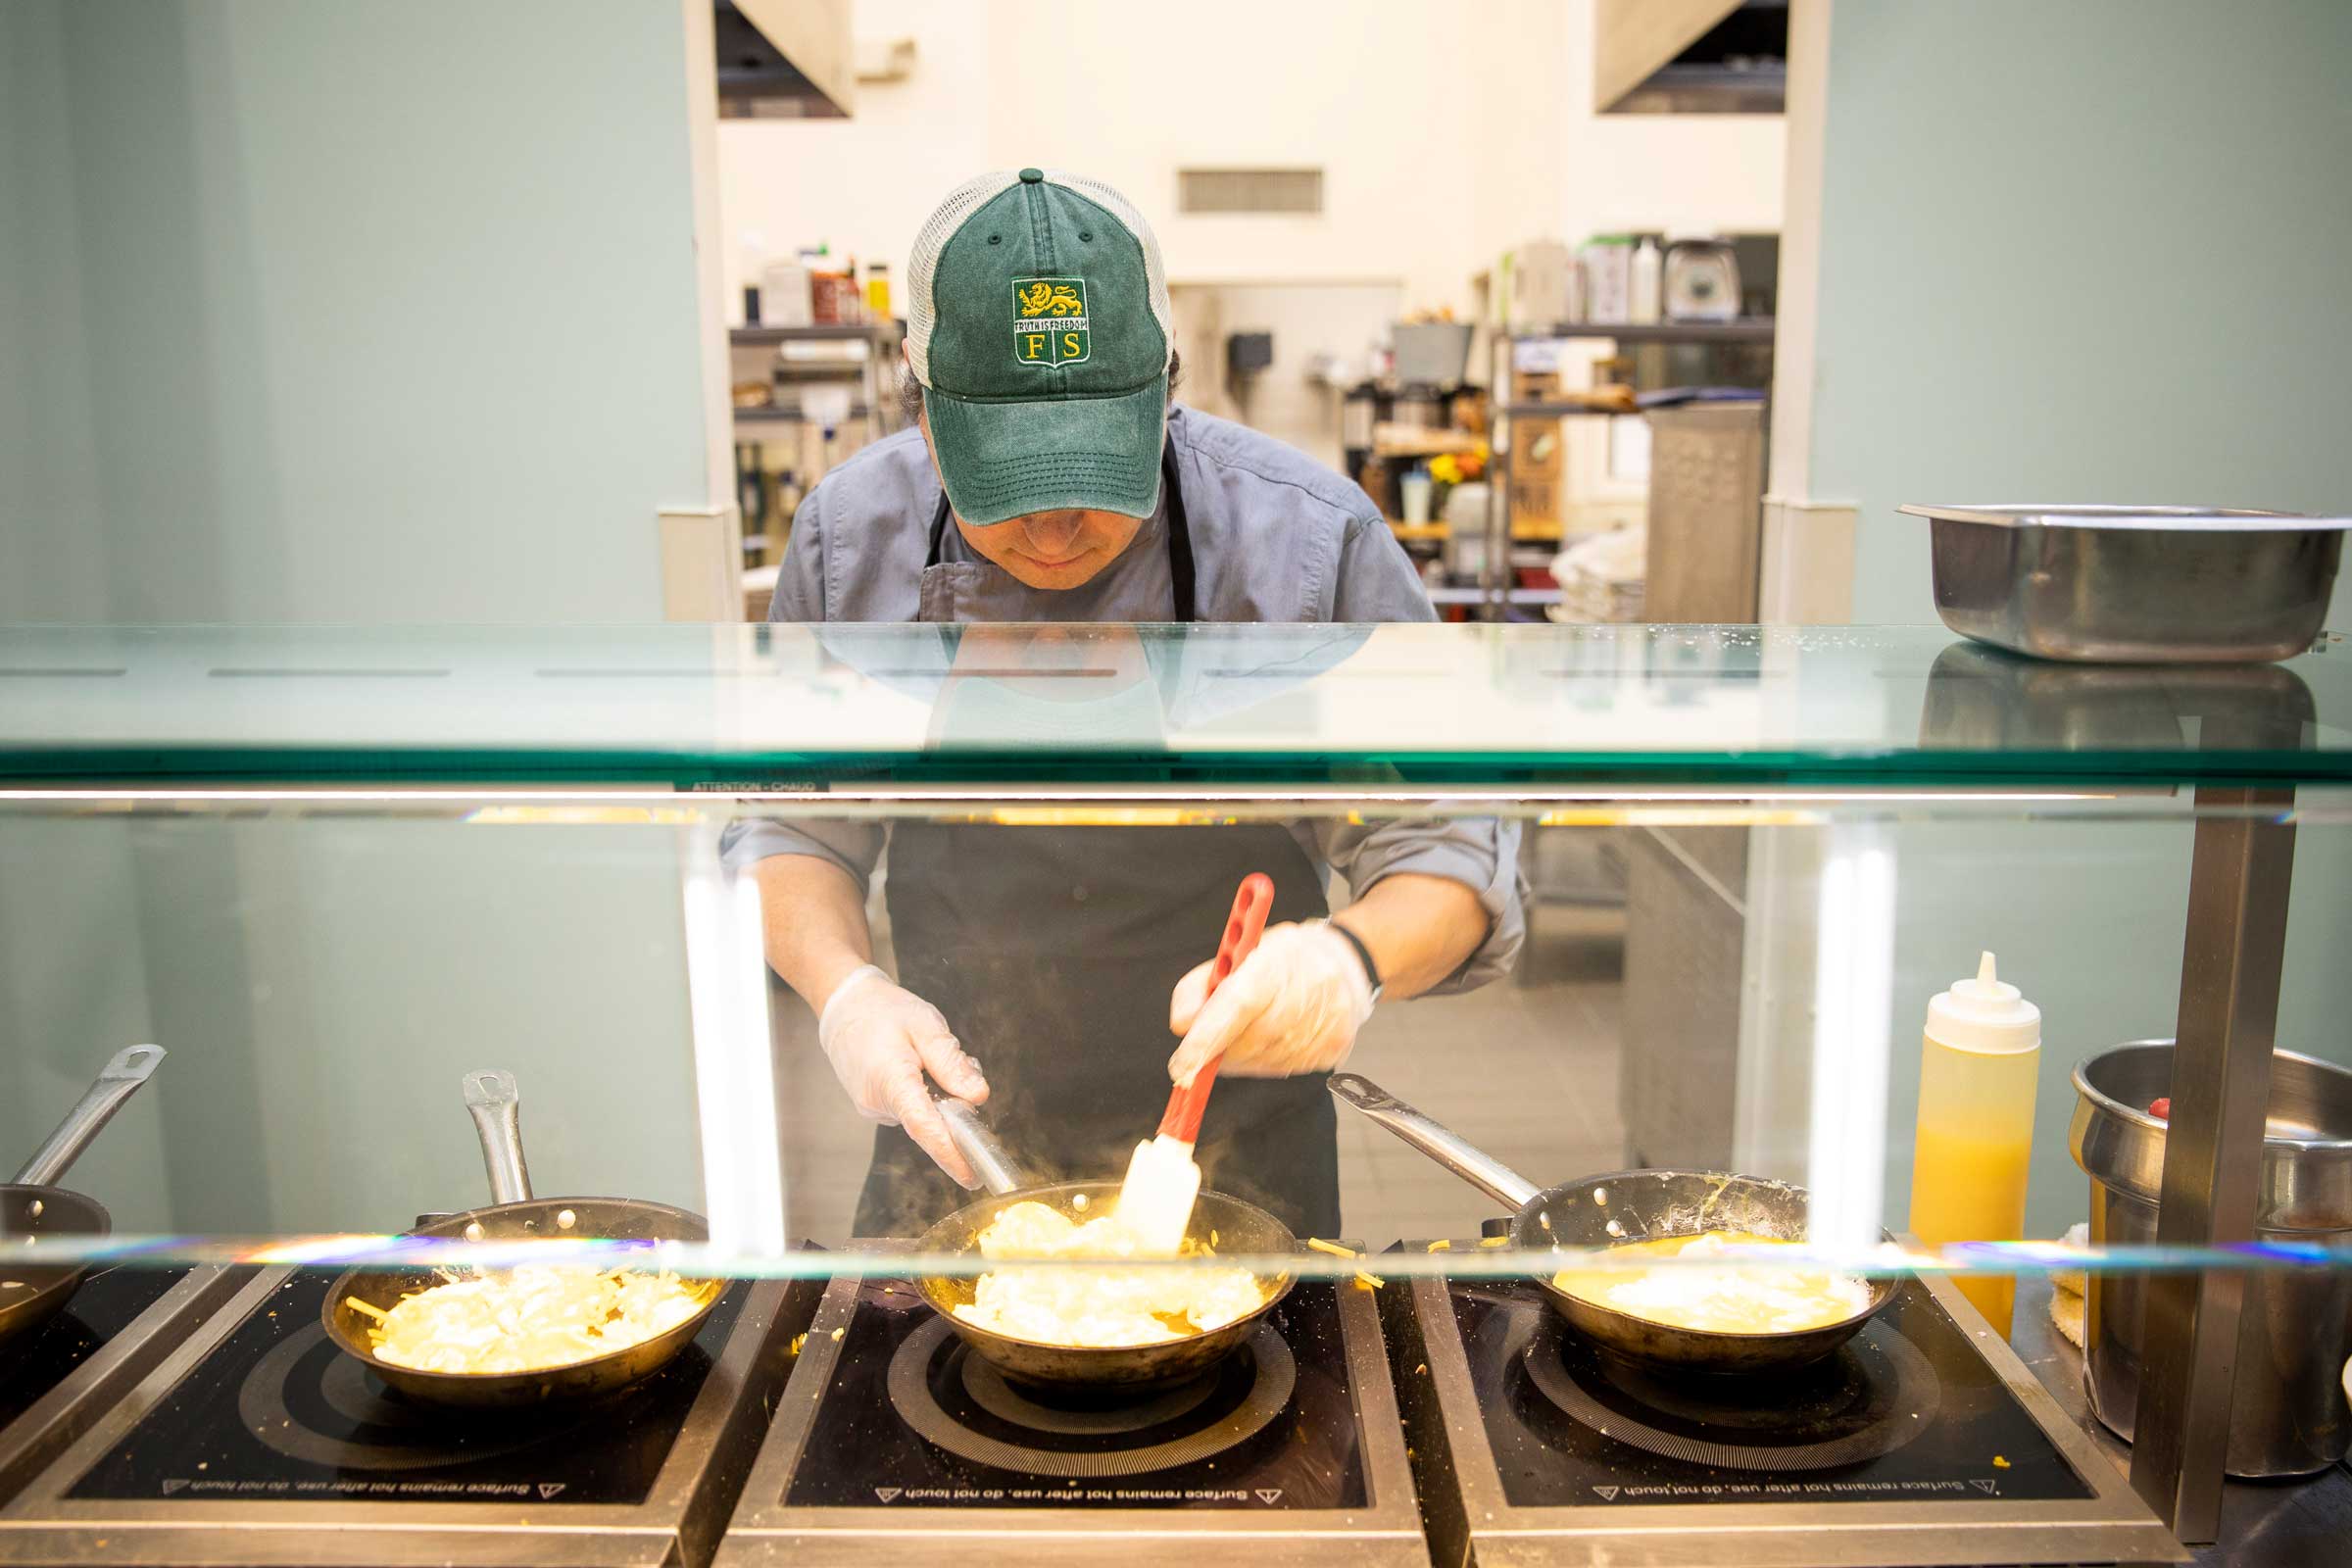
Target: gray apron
(1051, 953)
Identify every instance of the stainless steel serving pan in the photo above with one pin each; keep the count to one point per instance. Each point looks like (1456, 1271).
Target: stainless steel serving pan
(1632, 1206)
(2135, 585)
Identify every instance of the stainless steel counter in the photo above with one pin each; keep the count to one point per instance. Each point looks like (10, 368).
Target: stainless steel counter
(2264, 1523)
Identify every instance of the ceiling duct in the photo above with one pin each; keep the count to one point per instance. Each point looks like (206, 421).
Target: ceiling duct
(1691, 57)
(784, 58)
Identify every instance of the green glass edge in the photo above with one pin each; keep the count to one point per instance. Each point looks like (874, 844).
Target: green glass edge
(101, 766)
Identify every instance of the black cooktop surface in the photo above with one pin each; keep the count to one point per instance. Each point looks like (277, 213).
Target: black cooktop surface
(1907, 1411)
(102, 1306)
(911, 1418)
(275, 1410)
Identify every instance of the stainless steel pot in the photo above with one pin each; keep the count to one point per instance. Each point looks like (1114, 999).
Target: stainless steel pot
(2288, 1415)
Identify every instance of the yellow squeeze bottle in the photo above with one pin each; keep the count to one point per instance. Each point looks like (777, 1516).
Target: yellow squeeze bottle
(1976, 1126)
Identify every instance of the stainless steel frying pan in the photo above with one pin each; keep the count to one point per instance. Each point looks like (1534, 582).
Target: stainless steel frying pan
(491, 1097)
(1243, 1229)
(31, 1295)
(1632, 1205)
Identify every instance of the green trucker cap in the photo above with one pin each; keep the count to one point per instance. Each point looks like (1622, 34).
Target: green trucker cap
(1038, 325)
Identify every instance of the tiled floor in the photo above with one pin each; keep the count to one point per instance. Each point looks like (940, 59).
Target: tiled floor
(1526, 1068)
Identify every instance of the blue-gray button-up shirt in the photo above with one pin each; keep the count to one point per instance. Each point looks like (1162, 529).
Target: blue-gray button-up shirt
(1276, 537)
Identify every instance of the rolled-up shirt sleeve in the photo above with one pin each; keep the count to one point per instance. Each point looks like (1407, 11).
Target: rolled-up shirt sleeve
(855, 847)
(1480, 852)
(1377, 582)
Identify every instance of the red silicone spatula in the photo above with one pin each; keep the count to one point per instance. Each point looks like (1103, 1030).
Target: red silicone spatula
(1155, 1202)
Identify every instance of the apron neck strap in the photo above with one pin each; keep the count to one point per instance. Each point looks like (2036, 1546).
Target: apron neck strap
(1179, 535)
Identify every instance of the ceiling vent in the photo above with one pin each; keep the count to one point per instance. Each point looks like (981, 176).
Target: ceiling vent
(1250, 190)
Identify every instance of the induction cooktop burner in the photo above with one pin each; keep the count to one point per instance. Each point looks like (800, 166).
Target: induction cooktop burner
(260, 1422)
(1869, 1399)
(967, 1405)
(279, 1413)
(896, 1437)
(104, 1304)
(306, 1401)
(1922, 1441)
(117, 1323)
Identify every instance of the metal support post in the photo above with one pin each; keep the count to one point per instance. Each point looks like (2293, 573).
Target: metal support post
(2230, 973)
(1495, 570)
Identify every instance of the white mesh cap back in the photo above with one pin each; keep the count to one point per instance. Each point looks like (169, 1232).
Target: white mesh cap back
(1155, 277)
(975, 193)
(923, 266)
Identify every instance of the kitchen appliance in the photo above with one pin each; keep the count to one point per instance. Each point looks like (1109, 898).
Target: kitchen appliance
(255, 1432)
(895, 1444)
(2149, 585)
(1923, 1440)
(119, 1322)
(2287, 1412)
(1703, 281)
(1431, 354)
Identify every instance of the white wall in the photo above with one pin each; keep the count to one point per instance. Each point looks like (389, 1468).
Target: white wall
(1446, 134)
(364, 312)
(1684, 173)
(2088, 252)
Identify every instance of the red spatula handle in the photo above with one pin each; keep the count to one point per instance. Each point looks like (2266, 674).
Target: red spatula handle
(1242, 928)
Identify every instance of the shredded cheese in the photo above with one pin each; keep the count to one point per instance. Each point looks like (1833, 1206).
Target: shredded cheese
(1760, 1298)
(530, 1319)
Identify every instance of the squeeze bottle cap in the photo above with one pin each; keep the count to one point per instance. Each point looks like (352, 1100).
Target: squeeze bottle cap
(1985, 1013)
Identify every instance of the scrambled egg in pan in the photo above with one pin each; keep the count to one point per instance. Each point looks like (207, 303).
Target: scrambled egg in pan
(531, 1318)
(1101, 1308)
(1748, 1299)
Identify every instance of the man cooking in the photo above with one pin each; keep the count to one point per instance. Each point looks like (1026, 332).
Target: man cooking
(1050, 479)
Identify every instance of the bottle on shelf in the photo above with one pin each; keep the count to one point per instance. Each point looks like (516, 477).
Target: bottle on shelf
(1646, 282)
(1981, 1056)
(878, 292)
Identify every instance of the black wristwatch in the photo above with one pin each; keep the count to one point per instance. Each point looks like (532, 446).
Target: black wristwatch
(1363, 955)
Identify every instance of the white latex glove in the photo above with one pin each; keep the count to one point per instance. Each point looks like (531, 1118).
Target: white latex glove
(1293, 1005)
(881, 1038)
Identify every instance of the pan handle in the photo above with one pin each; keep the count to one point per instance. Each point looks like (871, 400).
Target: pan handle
(1438, 1142)
(117, 1081)
(978, 1145)
(492, 1100)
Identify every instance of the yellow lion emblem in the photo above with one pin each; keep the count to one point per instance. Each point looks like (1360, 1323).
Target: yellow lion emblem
(1044, 298)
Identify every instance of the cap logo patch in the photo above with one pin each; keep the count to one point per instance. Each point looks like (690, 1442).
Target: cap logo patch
(1049, 320)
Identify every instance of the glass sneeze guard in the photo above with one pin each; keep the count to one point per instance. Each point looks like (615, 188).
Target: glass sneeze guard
(333, 869)
(1270, 704)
